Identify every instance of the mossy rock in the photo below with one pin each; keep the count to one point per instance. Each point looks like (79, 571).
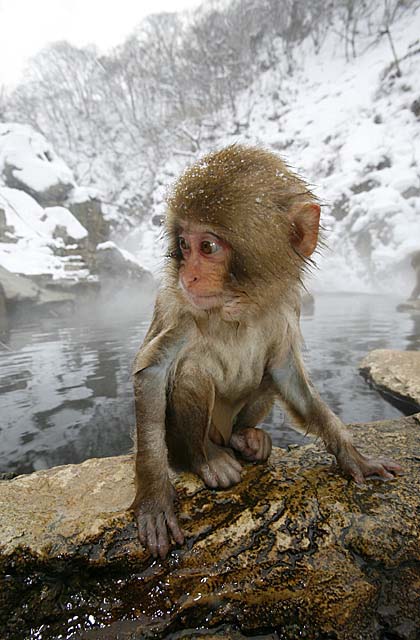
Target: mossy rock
(294, 549)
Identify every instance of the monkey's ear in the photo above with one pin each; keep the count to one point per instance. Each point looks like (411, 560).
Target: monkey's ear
(305, 227)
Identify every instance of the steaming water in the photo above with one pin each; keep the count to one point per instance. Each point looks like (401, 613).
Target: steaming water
(65, 388)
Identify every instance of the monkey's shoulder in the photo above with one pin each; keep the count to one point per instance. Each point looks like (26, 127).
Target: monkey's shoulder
(164, 338)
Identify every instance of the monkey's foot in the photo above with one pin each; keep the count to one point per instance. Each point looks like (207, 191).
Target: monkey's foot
(156, 523)
(253, 444)
(359, 467)
(221, 469)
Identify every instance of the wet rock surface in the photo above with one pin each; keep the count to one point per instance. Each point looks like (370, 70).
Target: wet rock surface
(394, 373)
(4, 324)
(50, 228)
(20, 295)
(294, 548)
(116, 270)
(90, 215)
(412, 306)
(54, 194)
(17, 288)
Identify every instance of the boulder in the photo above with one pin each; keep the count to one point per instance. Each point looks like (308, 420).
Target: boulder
(415, 107)
(413, 306)
(17, 288)
(117, 265)
(29, 163)
(89, 214)
(294, 549)
(62, 224)
(4, 323)
(53, 195)
(394, 373)
(41, 243)
(5, 230)
(18, 291)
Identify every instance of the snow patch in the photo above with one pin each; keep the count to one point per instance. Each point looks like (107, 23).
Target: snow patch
(59, 216)
(34, 160)
(32, 228)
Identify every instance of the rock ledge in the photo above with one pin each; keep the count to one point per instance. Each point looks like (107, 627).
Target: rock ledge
(394, 373)
(294, 548)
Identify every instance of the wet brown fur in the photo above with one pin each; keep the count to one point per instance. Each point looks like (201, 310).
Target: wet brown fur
(204, 378)
(245, 195)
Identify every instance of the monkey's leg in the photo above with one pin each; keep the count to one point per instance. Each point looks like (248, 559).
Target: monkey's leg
(311, 413)
(189, 420)
(253, 444)
(153, 503)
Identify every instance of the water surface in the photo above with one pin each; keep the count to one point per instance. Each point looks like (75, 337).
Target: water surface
(65, 387)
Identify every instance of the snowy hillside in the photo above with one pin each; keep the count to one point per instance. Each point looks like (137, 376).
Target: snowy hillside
(351, 128)
(34, 236)
(41, 215)
(317, 84)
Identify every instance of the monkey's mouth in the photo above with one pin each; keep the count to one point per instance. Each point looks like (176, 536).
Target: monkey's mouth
(203, 301)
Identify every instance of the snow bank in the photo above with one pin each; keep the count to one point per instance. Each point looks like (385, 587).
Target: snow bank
(78, 195)
(31, 158)
(60, 217)
(348, 128)
(350, 131)
(126, 255)
(37, 239)
(33, 248)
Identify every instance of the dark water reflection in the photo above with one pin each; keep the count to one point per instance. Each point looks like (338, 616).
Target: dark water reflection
(65, 388)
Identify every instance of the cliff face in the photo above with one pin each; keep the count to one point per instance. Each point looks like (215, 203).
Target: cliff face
(39, 235)
(50, 228)
(294, 547)
(351, 127)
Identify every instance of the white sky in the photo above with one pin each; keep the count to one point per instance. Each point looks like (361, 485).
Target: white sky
(28, 25)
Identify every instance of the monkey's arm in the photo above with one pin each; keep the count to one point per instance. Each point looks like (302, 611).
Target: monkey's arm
(153, 502)
(311, 413)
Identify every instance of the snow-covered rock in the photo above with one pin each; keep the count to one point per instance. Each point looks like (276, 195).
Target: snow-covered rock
(55, 243)
(29, 163)
(17, 288)
(352, 129)
(33, 242)
(116, 264)
(61, 222)
(90, 215)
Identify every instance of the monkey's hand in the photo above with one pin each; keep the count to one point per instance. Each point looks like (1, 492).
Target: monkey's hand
(359, 467)
(157, 522)
(253, 444)
(221, 469)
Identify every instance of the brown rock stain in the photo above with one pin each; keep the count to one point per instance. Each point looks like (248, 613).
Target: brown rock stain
(294, 547)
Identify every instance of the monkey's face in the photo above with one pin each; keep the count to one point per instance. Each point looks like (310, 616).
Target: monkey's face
(204, 266)
(240, 226)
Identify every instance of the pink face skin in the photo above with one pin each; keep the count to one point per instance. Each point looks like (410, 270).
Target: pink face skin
(203, 268)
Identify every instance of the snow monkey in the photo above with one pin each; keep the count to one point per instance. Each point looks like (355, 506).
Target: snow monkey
(224, 342)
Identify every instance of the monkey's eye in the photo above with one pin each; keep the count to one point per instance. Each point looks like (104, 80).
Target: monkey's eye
(183, 244)
(208, 247)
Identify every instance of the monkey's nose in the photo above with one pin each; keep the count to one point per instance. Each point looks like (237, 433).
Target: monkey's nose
(189, 280)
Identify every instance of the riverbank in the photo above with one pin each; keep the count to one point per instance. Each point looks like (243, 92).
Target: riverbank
(395, 374)
(295, 545)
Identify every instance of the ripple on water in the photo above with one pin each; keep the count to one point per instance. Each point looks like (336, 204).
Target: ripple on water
(65, 391)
